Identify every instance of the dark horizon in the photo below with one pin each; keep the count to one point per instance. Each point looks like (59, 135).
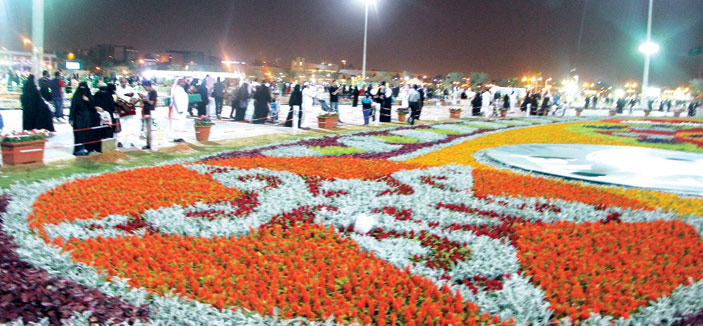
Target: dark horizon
(503, 38)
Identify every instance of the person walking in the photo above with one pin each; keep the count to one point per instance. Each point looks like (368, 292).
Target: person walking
(355, 97)
(35, 112)
(386, 105)
(82, 108)
(218, 93)
(204, 98)
(240, 102)
(366, 103)
(296, 99)
(56, 85)
(44, 88)
(262, 98)
(423, 95)
(334, 91)
(308, 95)
(486, 98)
(130, 122)
(177, 111)
(104, 102)
(148, 106)
(414, 104)
(545, 105)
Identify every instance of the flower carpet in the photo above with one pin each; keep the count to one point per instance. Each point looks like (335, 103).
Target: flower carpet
(399, 226)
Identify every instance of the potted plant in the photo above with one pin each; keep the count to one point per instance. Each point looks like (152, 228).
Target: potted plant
(454, 112)
(402, 114)
(578, 110)
(503, 112)
(328, 120)
(202, 128)
(647, 111)
(27, 146)
(612, 111)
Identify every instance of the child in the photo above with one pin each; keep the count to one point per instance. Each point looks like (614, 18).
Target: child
(366, 103)
(275, 102)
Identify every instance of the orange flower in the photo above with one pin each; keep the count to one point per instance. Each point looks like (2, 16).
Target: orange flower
(612, 268)
(127, 193)
(324, 167)
(301, 270)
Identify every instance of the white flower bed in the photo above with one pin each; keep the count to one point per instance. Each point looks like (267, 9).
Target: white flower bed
(368, 143)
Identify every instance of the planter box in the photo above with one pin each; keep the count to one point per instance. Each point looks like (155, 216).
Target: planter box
(578, 113)
(455, 114)
(612, 113)
(327, 122)
(108, 145)
(24, 152)
(402, 117)
(202, 133)
(503, 113)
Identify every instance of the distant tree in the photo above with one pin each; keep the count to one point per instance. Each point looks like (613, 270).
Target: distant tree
(502, 82)
(382, 76)
(454, 77)
(479, 79)
(696, 86)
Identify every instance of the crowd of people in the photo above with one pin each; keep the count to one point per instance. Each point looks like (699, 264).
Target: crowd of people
(117, 110)
(110, 112)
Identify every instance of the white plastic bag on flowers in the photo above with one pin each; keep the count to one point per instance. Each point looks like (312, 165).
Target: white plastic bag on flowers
(363, 224)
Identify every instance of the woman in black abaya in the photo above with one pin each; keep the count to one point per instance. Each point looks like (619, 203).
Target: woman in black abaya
(80, 118)
(104, 101)
(240, 102)
(296, 99)
(35, 112)
(261, 105)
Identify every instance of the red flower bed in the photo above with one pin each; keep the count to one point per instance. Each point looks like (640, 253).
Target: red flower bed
(502, 183)
(126, 193)
(31, 294)
(306, 271)
(611, 268)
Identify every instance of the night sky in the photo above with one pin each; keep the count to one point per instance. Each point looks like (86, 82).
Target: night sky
(502, 37)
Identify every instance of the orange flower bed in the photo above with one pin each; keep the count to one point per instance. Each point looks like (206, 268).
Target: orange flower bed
(324, 167)
(126, 193)
(505, 183)
(610, 268)
(306, 271)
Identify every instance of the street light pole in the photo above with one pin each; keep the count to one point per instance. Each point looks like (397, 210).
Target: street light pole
(366, 33)
(647, 54)
(37, 37)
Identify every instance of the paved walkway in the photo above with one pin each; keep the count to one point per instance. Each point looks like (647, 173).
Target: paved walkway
(60, 146)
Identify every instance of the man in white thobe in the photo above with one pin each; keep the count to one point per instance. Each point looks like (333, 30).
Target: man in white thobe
(486, 99)
(177, 112)
(309, 93)
(131, 124)
(513, 101)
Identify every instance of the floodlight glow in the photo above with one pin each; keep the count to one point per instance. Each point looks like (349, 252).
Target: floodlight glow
(649, 48)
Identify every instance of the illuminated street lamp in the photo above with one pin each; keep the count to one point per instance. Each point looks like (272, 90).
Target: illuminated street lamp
(367, 3)
(648, 48)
